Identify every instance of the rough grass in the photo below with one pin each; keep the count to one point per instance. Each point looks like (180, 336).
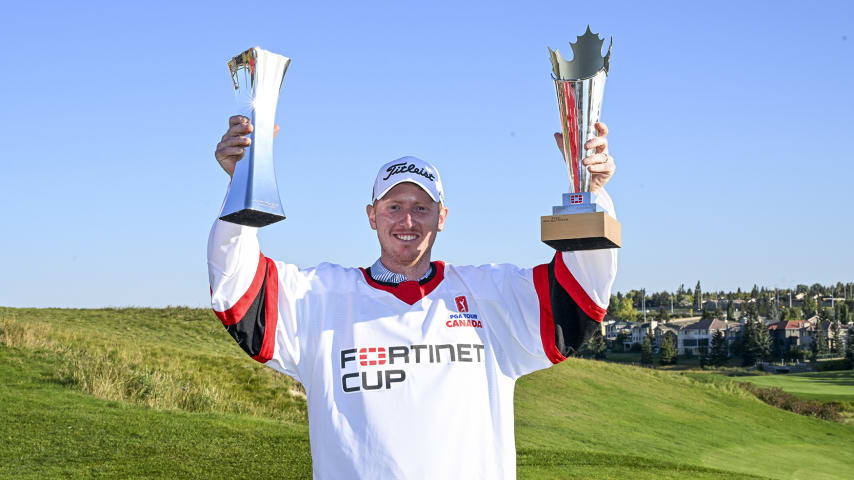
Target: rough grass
(168, 359)
(165, 393)
(51, 431)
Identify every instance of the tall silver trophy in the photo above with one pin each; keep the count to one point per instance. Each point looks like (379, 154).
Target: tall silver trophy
(580, 223)
(253, 197)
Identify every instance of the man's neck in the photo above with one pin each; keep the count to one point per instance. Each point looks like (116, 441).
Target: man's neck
(411, 272)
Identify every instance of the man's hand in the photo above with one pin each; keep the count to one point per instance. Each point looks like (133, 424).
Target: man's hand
(600, 165)
(233, 144)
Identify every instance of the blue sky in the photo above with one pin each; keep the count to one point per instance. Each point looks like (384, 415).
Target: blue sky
(730, 124)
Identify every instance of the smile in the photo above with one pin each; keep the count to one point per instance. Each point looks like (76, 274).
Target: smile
(405, 237)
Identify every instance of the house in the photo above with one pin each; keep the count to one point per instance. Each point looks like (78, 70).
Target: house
(663, 330)
(614, 327)
(639, 330)
(696, 338)
(788, 333)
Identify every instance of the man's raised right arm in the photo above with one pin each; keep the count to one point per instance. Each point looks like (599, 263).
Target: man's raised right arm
(243, 282)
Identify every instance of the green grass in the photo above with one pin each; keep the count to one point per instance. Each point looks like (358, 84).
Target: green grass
(824, 386)
(165, 393)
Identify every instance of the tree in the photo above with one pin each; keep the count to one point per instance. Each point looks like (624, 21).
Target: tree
(730, 311)
(663, 315)
(646, 350)
(620, 341)
(599, 346)
(720, 353)
(810, 306)
(774, 311)
(838, 343)
(793, 313)
(819, 341)
(842, 312)
(750, 310)
(756, 343)
(849, 349)
(698, 295)
(668, 351)
(627, 311)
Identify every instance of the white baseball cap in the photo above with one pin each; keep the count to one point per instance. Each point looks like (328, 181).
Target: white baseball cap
(409, 169)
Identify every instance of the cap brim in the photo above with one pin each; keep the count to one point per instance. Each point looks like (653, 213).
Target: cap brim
(382, 194)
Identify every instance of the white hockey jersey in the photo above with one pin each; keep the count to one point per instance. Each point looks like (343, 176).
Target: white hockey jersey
(413, 380)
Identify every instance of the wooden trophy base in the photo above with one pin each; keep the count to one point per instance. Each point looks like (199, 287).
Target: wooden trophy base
(581, 231)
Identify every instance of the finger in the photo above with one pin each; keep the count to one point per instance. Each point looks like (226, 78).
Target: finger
(596, 159)
(226, 152)
(602, 168)
(275, 130)
(238, 129)
(601, 143)
(236, 142)
(237, 119)
(601, 128)
(559, 140)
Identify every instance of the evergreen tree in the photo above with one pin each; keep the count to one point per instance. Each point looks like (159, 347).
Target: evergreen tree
(819, 341)
(720, 353)
(774, 311)
(730, 311)
(668, 351)
(838, 342)
(698, 295)
(842, 313)
(599, 346)
(750, 310)
(756, 343)
(849, 348)
(663, 314)
(646, 350)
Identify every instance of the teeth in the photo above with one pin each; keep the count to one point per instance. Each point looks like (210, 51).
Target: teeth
(406, 237)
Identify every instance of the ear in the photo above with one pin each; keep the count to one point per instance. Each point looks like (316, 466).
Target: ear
(443, 214)
(372, 216)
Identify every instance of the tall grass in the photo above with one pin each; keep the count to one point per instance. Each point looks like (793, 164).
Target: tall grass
(130, 373)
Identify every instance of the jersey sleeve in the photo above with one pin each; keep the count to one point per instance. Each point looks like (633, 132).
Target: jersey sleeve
(256, 298)
(554, 308)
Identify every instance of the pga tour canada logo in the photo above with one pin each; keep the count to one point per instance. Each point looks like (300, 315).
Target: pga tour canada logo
(462, 304)
(463, 318)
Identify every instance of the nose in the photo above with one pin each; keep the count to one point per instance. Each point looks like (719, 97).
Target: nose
(407, 220)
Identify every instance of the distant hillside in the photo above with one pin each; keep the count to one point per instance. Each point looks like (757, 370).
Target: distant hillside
(164, 393)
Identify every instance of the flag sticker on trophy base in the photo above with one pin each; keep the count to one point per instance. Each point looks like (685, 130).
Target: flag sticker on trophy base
(580, 223)
(253, 196)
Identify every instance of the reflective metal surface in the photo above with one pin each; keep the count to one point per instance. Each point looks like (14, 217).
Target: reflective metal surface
(580, 86)
(578, 203)
(253, 197)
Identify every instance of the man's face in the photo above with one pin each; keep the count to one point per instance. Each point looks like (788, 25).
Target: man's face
(406, 220)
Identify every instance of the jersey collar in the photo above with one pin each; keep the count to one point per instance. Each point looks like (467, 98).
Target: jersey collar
(411, 291)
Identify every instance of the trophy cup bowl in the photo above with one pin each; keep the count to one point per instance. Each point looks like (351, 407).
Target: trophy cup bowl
(253, 196)
(580, 223)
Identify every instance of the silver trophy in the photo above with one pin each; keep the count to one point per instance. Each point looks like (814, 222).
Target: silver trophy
(253, 197)
(580, 223)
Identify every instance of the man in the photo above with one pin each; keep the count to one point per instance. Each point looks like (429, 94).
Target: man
(409, 365)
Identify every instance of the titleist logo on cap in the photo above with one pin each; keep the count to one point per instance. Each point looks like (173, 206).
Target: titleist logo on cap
(408, 168)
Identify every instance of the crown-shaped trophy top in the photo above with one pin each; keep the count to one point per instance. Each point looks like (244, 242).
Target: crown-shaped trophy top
(587, 59)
